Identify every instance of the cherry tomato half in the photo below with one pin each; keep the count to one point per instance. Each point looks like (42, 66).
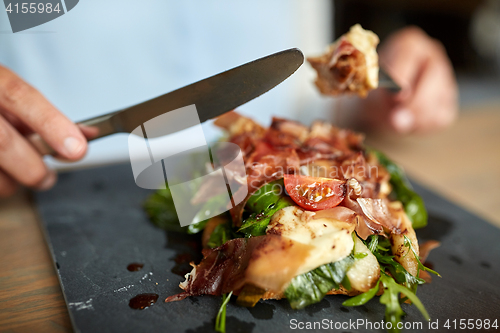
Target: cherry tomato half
(315, 193)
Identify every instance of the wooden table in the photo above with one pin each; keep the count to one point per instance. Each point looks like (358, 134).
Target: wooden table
(462, 163)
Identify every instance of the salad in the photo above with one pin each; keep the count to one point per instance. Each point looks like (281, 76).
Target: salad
(324, 215)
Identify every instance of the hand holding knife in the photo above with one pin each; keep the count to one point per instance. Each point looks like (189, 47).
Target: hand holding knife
(212, 96)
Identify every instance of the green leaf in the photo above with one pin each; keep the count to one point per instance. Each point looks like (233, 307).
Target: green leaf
(336, 270)
(363, 298)
(220, 320)
(160, 205)
(401, 188)
(256, 223)
(401, 282)
(195, 228)
(311, 287)
(205, 212)
(262, 205)
(346, 283)
(221, 234)
(360, 255)
(266, 196)
(391, 299)
(161, 211)
(408, 243)
(381, 249)
(401, 275)
(415, 210)
(308, 288)
(372, 244)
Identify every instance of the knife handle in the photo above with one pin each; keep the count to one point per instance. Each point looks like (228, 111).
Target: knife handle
(96, 127)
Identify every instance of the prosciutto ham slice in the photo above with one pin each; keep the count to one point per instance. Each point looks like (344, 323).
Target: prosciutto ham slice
(268, 262)
(349, 65)
(285, 146)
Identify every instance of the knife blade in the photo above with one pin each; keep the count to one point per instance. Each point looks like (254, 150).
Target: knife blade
(212, 96)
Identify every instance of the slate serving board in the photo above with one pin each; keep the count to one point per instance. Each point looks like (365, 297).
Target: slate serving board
(95, 227)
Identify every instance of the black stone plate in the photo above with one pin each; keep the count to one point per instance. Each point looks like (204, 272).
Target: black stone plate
(95, 227)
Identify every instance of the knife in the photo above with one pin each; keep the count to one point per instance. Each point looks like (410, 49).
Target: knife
(213, 96)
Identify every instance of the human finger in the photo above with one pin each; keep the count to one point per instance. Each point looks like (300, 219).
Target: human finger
(21, 161)
(30, 106)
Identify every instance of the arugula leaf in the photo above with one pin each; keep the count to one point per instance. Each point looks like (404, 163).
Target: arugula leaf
(311, 287)
(203, 215)
(381, 249)
(221, 234)
(362, 298)
(414, 208)
(265, 196)
(360, 255)
(372, 245)
(400, 282)
(195, 228)
(262, 205)
(408, 244)
(402, 189)
(220, 320)
(390, 283)
(401, 275)
(256, 223)
(161, 211)
(392, 301)
(390, 298)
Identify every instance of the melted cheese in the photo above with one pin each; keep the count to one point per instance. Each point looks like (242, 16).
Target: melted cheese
(331, 239)
(366, 42)
(365, 272)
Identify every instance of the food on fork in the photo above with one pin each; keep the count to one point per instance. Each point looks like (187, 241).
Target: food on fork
(349, 65)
